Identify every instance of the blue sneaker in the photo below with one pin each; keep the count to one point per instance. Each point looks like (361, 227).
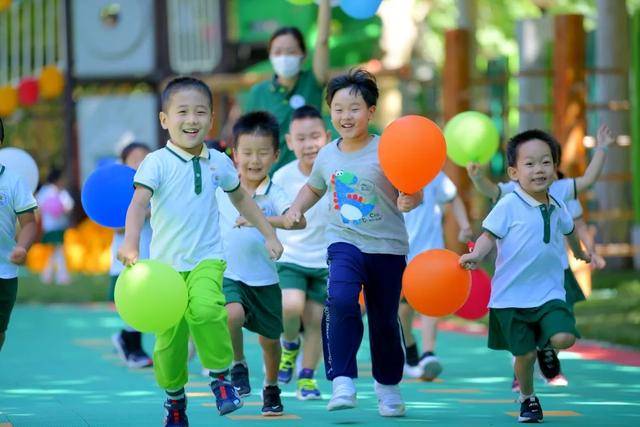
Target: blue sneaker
(240, 379)
(176, 413)
(287, 361)
(530, 411)
(308, 389)
(227, 398)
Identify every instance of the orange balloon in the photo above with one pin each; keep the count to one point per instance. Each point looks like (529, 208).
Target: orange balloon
(9, 96)
(51, 82)
(434, 284)
(412, 151)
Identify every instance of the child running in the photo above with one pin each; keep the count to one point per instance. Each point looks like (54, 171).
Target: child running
(16, 205)
(424, 226)
(128, 341)
(253, 296)
(303, 267)
(527, 305)
(180, 182)
(368, 245)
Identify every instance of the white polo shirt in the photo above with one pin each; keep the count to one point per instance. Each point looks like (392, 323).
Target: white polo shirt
(306, 247)
(530, 240)
(424, 223)
(561, 189)
(184, 211)
(247, 258)
(15, 199)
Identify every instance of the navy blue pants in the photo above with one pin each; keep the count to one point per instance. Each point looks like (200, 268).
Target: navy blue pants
(342, 327)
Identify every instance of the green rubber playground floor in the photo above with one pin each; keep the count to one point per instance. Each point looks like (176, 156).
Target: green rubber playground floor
(58, 368)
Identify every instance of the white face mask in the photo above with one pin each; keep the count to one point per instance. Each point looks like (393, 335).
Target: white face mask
(286, 66)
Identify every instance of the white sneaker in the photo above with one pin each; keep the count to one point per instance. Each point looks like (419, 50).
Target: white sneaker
(412, 371)
(344, 394)
(390, 403)
(430, 367)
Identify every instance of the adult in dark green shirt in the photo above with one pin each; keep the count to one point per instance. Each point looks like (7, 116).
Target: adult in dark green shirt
(291, 87)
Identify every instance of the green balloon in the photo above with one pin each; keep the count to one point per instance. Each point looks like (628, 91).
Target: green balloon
(471, 137)
(151, 296)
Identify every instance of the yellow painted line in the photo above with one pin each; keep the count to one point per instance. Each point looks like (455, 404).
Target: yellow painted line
(263, 418)
(552, 414)
(199, 394)
(209, 405)
(486, 400)
(450, 390)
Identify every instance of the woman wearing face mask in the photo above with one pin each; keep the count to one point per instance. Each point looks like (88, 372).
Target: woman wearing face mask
(292, 87)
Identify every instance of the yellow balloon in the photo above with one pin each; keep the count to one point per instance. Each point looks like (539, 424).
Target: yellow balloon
(51, 82)
(9, 97)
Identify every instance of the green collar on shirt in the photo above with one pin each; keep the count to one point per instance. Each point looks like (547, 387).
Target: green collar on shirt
(264, 187)
(545, 210)
(195, 161)
(2, 169)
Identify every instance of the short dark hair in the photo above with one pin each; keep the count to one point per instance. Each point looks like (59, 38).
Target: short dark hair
(260, 123)
(55, 173)
(360, 81)
(133, 146)
(526, 136)
(293, 31)
(185, 83)
(1, 131)
(306, 112)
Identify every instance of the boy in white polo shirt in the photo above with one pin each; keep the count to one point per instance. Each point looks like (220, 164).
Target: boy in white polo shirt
(424, 227)
(527, 304)
(180, 182)
(16, 203)
(254, 300)
(303, 267)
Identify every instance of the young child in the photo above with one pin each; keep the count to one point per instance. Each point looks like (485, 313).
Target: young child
(527, 304)
(128, 341)
(251, 289)
(55, 205)
(180, 182)
(424, 226)
(303, 267)
(16, 203)
(368, 245)
(565, 189)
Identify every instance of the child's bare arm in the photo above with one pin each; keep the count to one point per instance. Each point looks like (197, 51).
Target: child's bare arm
(603, 140)
(250, 210)
(129, 251)
(481, 182)
(576, 247)
(482, 247)
(306, 198)
(278, 221)
(460, 214)
(321, 54)
(408, 202)
(26, 237)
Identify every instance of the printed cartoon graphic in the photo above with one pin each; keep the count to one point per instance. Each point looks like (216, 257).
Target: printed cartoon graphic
(354, 199)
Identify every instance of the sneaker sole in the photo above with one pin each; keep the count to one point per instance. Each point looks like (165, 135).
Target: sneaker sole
(227, 409)
(244, 394)
(272, 414)
(431, 371)
(392, 414)
(341, 406)
(526, 420)
(140, 365)
(299, 396)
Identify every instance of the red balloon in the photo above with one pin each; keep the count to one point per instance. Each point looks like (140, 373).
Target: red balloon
(434, 284)
(28, 91)
(412, 151)
(476, 305)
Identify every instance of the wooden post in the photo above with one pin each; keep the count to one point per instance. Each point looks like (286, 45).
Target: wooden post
(569, 92)
(534, 36)
(612, 93)
(456, 99)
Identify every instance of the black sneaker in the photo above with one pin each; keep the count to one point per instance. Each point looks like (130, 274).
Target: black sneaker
(530, 411)
(549, 363)
(240, 379)
(176, 413)
(271, 403)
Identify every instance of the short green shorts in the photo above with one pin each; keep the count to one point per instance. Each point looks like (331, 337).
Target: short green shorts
(572, 288)
(8, 295)
(262, 306)
(313, 281)
(521, 330)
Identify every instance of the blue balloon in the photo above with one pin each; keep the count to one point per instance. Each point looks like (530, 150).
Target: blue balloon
(107, 193)
(360, 9)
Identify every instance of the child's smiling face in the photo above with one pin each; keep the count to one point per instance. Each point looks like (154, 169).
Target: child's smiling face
(350, 114)
(306, 137)
(254, 155)
(188, 119)
(534, 169)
